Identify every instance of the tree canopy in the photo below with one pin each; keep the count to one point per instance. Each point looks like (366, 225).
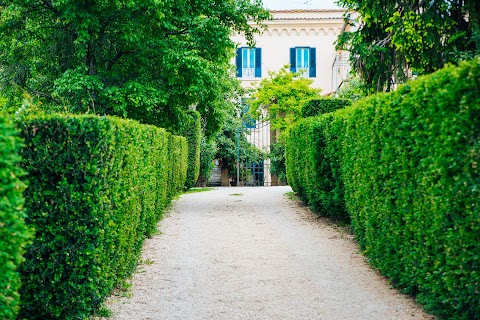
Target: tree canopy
(394, 39)
(282, 95)
(144, 59)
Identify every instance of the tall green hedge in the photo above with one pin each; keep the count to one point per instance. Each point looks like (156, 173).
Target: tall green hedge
(14, 234)
(313, 165)
(316, 107)
(409, 162)
(192, 132)
(97, 187)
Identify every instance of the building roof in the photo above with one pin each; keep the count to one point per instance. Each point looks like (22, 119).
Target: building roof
(304, 14)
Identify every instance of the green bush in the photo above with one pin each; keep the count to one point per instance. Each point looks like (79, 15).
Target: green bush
(316, 107)
(179, 164)
(208, 149)
(14, 233)
(97, 187)
(409, 162)
(192, 132)
(277, 161)
(313, 165)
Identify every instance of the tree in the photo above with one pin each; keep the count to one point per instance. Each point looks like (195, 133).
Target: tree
(352, 88)
(232, 143)
(148, 60)
(395, 38)
(208, 149)
(282, 95)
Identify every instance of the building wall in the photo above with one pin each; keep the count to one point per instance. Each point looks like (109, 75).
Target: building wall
(299, 28)
(317, 29)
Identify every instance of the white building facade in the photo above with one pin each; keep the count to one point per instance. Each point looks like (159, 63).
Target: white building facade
(303, 39)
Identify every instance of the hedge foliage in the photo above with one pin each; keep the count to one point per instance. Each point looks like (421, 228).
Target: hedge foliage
(97, 187)
(192, 132)
(316, 107)
(14, 233)
(313, 166)
(409, 161)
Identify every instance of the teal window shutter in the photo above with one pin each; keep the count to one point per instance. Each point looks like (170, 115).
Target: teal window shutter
(238, 62)
(293, 60)
(258, 62)
(313, 63)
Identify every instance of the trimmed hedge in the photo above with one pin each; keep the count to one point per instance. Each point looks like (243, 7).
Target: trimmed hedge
(14, 234)
(409, 161)
(97, 187)
(192, 132)
(316, 107)
(313, 153)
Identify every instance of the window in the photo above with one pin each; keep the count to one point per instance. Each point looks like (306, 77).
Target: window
(249, 63)
(304, 60)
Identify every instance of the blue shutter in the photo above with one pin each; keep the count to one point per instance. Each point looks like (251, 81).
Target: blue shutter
(238, 62)
(293, 60)
(313, 63)
(258, 62)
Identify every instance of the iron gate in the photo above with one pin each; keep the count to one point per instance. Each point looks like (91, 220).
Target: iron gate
(253, 163)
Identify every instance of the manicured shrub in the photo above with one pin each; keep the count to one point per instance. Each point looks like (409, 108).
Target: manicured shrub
(409, 165)
(316, 107)
(192, 132)
(97, 187)
(313, 165)
(14, 233)
(179, 164)
(208, 149)
(411, 175)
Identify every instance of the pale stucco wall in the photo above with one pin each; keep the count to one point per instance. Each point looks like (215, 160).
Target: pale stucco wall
(297, 28)
(294, 28)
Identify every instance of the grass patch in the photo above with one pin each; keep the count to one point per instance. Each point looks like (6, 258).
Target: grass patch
(147, 262)
(197, 190)
(101, 314)
(124, 290)
(292, 196)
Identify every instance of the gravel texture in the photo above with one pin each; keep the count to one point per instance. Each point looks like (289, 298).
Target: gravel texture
(251, 253)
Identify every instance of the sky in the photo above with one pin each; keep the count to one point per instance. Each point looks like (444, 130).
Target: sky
(300, 4)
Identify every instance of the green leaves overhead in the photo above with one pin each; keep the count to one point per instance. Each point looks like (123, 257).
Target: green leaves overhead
(282, 94)
(148, 60)
(394, 39)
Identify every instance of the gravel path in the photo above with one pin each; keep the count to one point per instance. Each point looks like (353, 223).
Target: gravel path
(250, 253)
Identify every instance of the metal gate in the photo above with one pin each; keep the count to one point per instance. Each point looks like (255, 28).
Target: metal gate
(253, 163)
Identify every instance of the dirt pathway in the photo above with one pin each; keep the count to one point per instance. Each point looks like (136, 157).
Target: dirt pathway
(250, 253)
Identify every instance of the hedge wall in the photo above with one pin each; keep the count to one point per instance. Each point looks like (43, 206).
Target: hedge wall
(97, 187)
(409, 162)
(313, 154)
(316, 107)
(14, 234)
(192, 132)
